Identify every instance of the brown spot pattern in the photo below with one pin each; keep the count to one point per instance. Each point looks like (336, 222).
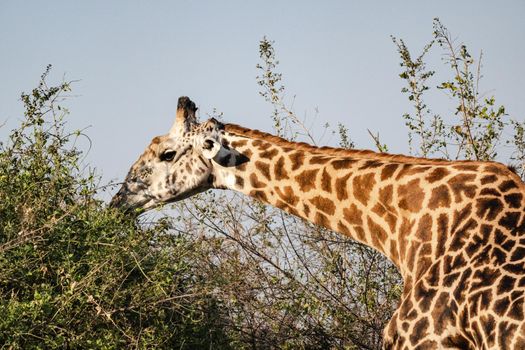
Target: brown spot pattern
(254, 181)
(306, 179)
(363, 186)
(388, 171)
(378, 234)
(353, 215)
(306, 209)
(297, 159)
(239, 181)
(424, 229)
(270, 154)
(371, 164)
(341, 228)
(264, 168)
(384, 207)
(263, 146)
(341, 187)
(247, 153)
(286, 207)
(488, 208)
(260, 195)
(462, 185)
(437, 174)
(326, 181)
(287, 195)
(440, 197)
(319, 160)
(322, 220)
(411, 196)
(386, 197)
(507, 185)
(514, 200)
(323, 204)
(279, 170)
(488, 179)
(342, 163)
(239, 143)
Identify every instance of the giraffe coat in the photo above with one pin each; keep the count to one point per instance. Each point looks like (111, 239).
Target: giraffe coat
(455, 230)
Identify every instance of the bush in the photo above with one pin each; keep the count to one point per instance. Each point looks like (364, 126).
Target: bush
(74, 273)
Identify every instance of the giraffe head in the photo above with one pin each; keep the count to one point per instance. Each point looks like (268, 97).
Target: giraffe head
(173, 166)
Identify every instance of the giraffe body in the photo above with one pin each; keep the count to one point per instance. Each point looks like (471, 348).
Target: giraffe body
(455, 230)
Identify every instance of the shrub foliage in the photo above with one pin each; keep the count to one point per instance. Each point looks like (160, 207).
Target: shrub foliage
(224, 271)
(76, 274)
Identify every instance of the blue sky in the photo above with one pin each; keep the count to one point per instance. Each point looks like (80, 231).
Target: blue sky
(135, 58)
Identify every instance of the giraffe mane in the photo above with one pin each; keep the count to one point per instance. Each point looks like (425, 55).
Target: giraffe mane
(334, 151)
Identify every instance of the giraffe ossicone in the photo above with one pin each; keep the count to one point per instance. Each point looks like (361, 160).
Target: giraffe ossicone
(455, 230)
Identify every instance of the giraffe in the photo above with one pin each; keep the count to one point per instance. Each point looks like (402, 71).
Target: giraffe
(454, 229)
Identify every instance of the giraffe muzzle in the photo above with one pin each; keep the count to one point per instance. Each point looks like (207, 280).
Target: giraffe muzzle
(129, 202)
(119, 199)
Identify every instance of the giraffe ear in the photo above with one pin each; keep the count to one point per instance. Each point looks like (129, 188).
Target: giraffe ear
(210, 148)
(185, 116)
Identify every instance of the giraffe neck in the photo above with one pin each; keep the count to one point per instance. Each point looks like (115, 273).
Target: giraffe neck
(333, 191)
(410, 209)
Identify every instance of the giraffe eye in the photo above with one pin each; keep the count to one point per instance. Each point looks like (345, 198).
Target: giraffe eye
(167, 156)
